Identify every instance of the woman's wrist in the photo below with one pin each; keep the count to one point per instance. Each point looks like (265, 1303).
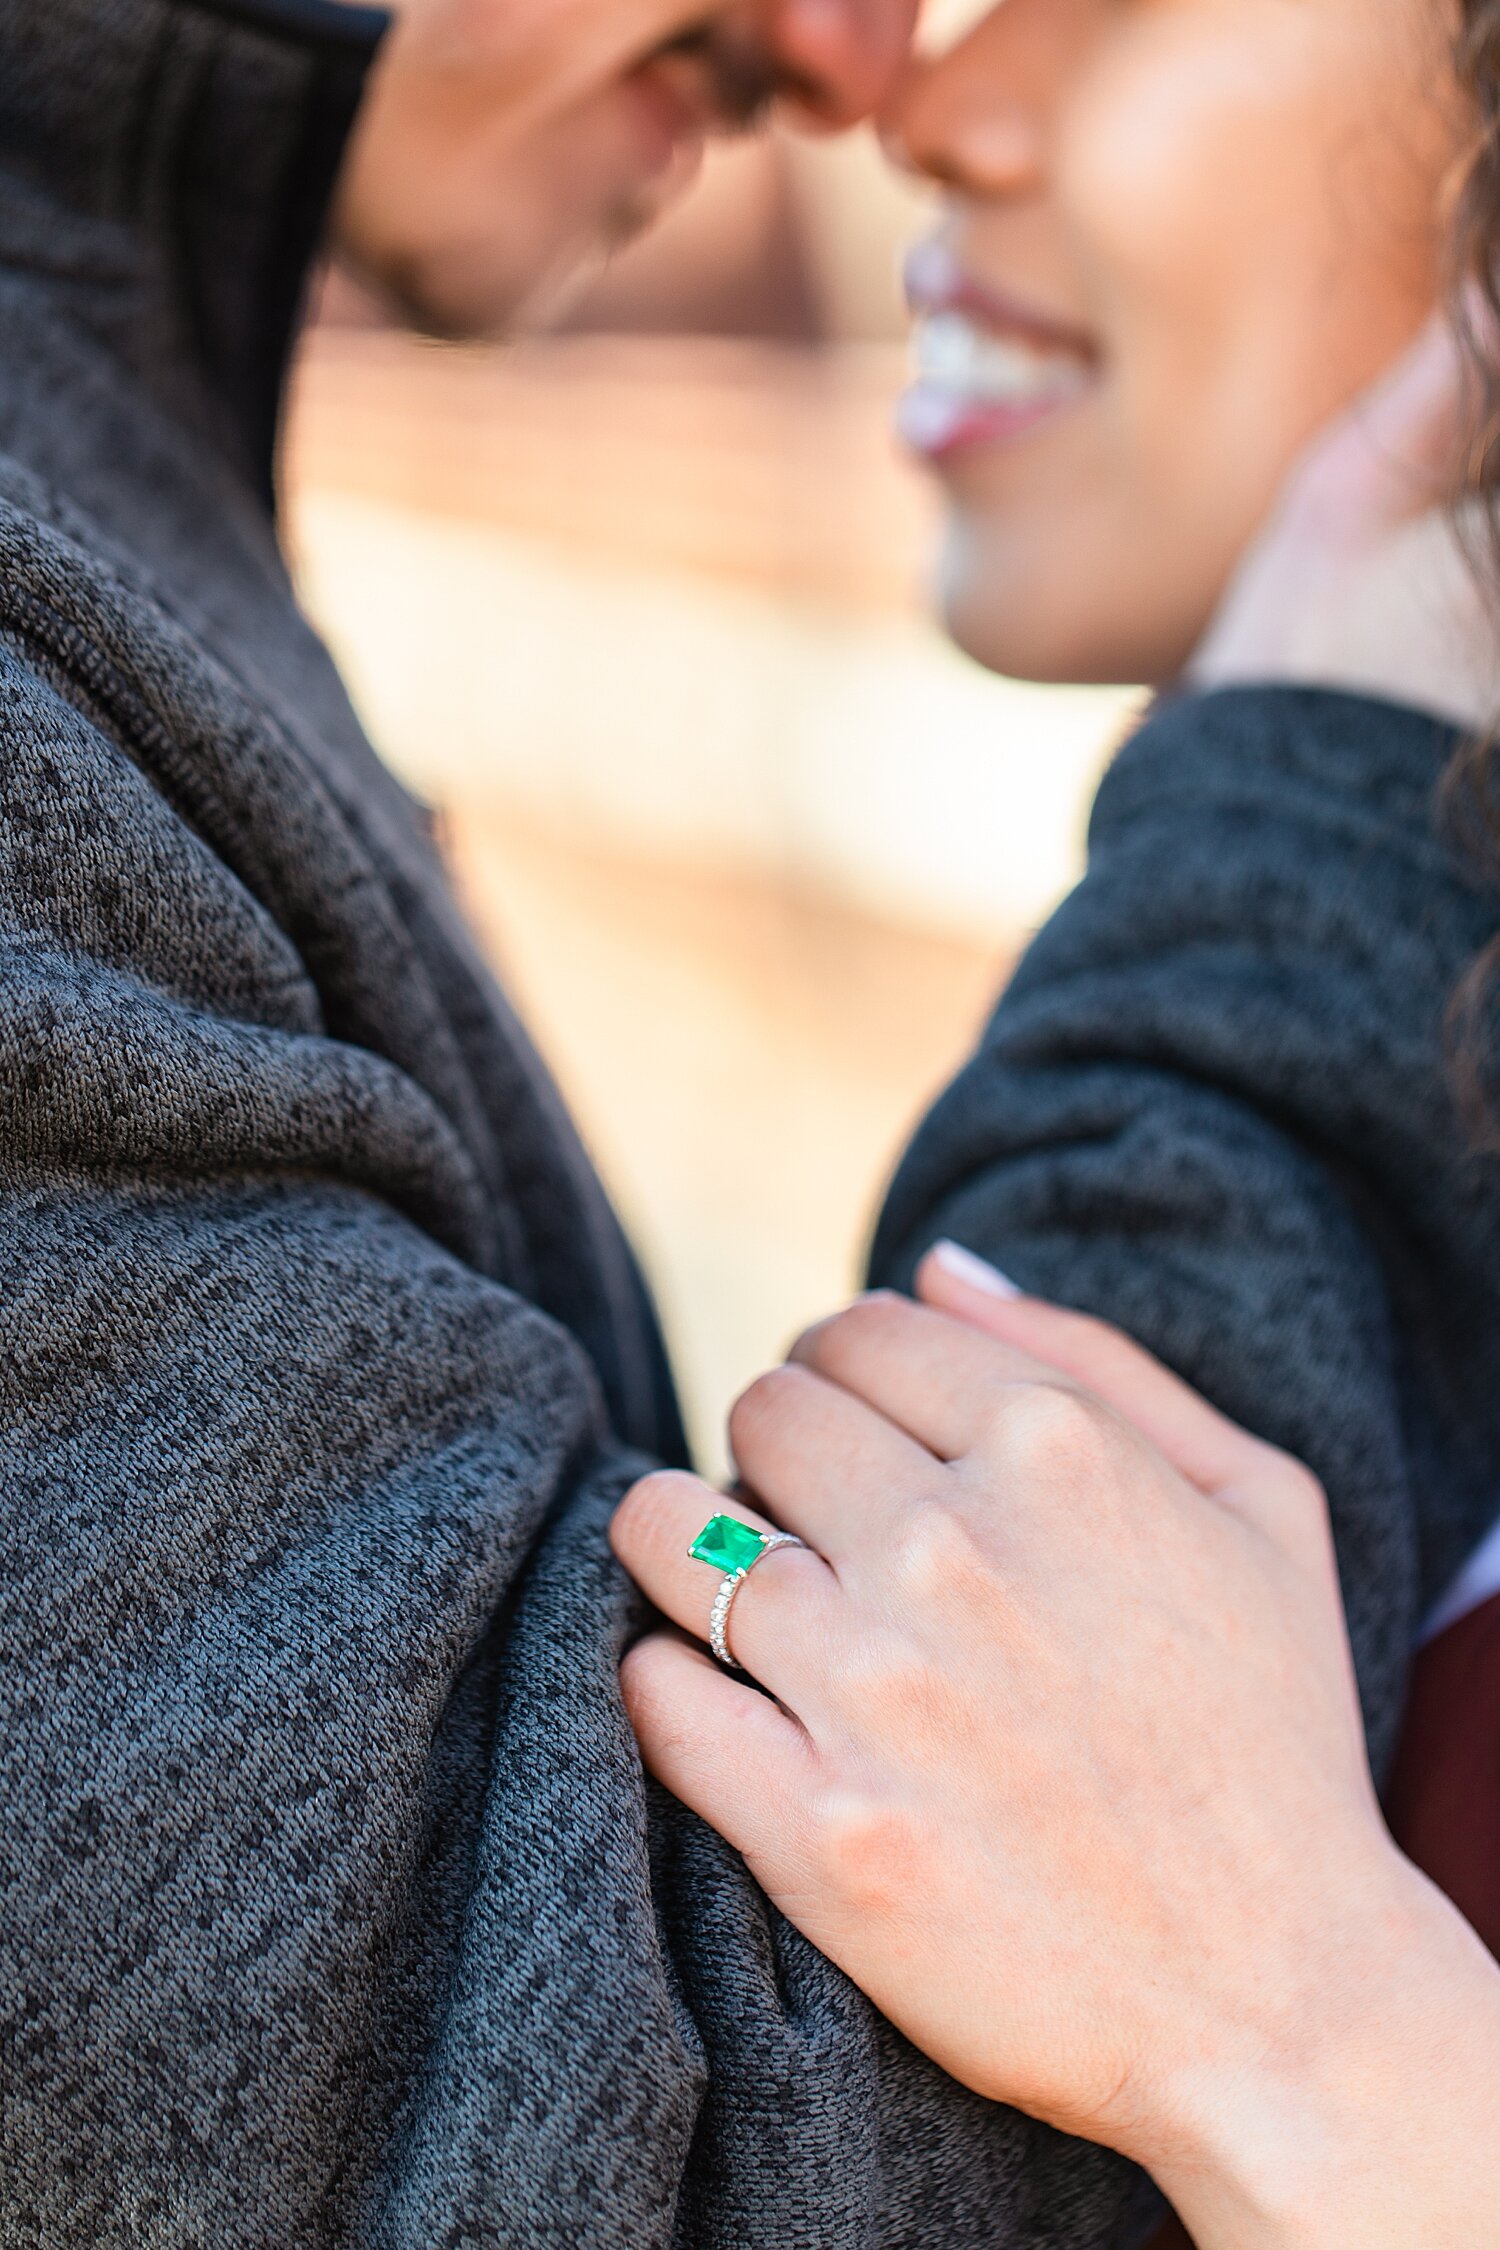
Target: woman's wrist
(1367, 2111)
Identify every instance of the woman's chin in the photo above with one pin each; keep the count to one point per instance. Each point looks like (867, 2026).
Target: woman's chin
(1027, 609)
(1000, 614)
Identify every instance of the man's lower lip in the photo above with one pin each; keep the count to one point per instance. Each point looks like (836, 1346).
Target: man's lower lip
(935, 424)
(668, 122)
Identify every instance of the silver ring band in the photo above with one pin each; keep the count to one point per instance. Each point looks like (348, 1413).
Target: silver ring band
(718, 1616)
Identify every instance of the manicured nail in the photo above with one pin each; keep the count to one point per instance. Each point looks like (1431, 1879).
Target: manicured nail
(976, 1272)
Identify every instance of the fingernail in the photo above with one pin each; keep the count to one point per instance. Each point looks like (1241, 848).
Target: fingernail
(976, 1272)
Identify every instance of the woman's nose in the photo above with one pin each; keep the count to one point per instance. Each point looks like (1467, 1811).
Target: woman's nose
(973, 118)
(841, 59)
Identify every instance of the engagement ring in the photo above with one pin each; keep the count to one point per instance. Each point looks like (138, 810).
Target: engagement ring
(734, 1548)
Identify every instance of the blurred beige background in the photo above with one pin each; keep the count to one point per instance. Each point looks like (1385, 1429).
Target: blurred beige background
(641, 608)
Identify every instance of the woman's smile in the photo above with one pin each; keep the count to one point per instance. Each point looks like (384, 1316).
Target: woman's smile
(1178, 236)
(989, 369)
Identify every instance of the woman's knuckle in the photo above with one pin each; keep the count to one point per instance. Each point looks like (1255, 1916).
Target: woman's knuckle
(654, 1502)
(935, 1550)
(1301, 1488)
(1293, 1501)
(643, 1687)
(763, 1403)
(1050, 1431)
(866, 1849)
(864, 1323)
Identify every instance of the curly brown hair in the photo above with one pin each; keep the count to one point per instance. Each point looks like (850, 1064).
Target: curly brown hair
(1471, 796)
(1476, 243)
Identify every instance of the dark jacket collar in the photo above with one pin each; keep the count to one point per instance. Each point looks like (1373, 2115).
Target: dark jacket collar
(168, 163)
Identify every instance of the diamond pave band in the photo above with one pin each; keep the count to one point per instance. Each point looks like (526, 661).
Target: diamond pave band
(735, 1548)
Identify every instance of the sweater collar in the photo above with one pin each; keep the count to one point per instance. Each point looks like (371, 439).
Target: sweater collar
(168, 164)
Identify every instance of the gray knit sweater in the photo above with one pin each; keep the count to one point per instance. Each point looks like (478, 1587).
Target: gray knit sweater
(1215, 1105)
(332, 1907)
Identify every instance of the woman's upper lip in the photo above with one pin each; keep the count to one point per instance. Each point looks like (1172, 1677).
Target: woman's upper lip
(936, 281)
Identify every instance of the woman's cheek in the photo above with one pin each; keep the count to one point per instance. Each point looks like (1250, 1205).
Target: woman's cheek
(1155, 171)
(1279, 159)
(1194, 135)
(1194, 178)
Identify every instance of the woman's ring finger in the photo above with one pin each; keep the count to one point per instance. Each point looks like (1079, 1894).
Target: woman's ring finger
(728, 1544)
(672, 1532)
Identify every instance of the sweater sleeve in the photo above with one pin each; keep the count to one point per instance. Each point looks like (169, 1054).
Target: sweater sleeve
(1212, 1109)
(333, 1908)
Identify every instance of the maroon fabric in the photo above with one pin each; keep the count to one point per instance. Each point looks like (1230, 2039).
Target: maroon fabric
(1444, 1798)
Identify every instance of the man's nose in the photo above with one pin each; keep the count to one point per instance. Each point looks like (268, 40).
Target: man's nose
(976, 117)
(840, 59)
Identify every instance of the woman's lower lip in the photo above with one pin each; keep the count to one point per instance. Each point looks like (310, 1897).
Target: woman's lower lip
(936, 423)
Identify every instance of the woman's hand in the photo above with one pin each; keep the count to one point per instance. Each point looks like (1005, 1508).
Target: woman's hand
(1066, 1769)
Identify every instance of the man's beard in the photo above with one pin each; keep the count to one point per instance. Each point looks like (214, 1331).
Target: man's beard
(738, 82)
(741, 77)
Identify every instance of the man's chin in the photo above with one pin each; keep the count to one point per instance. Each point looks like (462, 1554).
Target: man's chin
(467, 297)
(636, 210)
(588, 194)
(551, 294)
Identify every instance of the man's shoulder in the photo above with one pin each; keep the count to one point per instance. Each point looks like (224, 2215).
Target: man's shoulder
(95, 657)
(154, 820)
(78, 619)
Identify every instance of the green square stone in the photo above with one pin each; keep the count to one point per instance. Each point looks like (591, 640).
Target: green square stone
(727, 1544)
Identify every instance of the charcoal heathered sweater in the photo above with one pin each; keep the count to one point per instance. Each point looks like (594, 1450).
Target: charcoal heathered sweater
(333, 1910)
(1215, 1105)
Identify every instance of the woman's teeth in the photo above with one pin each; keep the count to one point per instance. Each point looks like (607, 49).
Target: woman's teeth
(965, 371)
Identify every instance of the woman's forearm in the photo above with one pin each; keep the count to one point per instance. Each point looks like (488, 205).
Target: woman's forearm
(1374, 2122)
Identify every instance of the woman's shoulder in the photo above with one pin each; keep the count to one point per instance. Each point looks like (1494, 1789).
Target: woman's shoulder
(1310, 756)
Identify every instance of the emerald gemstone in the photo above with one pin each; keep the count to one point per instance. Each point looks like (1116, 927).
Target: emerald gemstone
(727, 1544)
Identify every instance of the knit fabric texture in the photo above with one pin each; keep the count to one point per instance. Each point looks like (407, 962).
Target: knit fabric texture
(1215, 1107)
(333, 1907)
